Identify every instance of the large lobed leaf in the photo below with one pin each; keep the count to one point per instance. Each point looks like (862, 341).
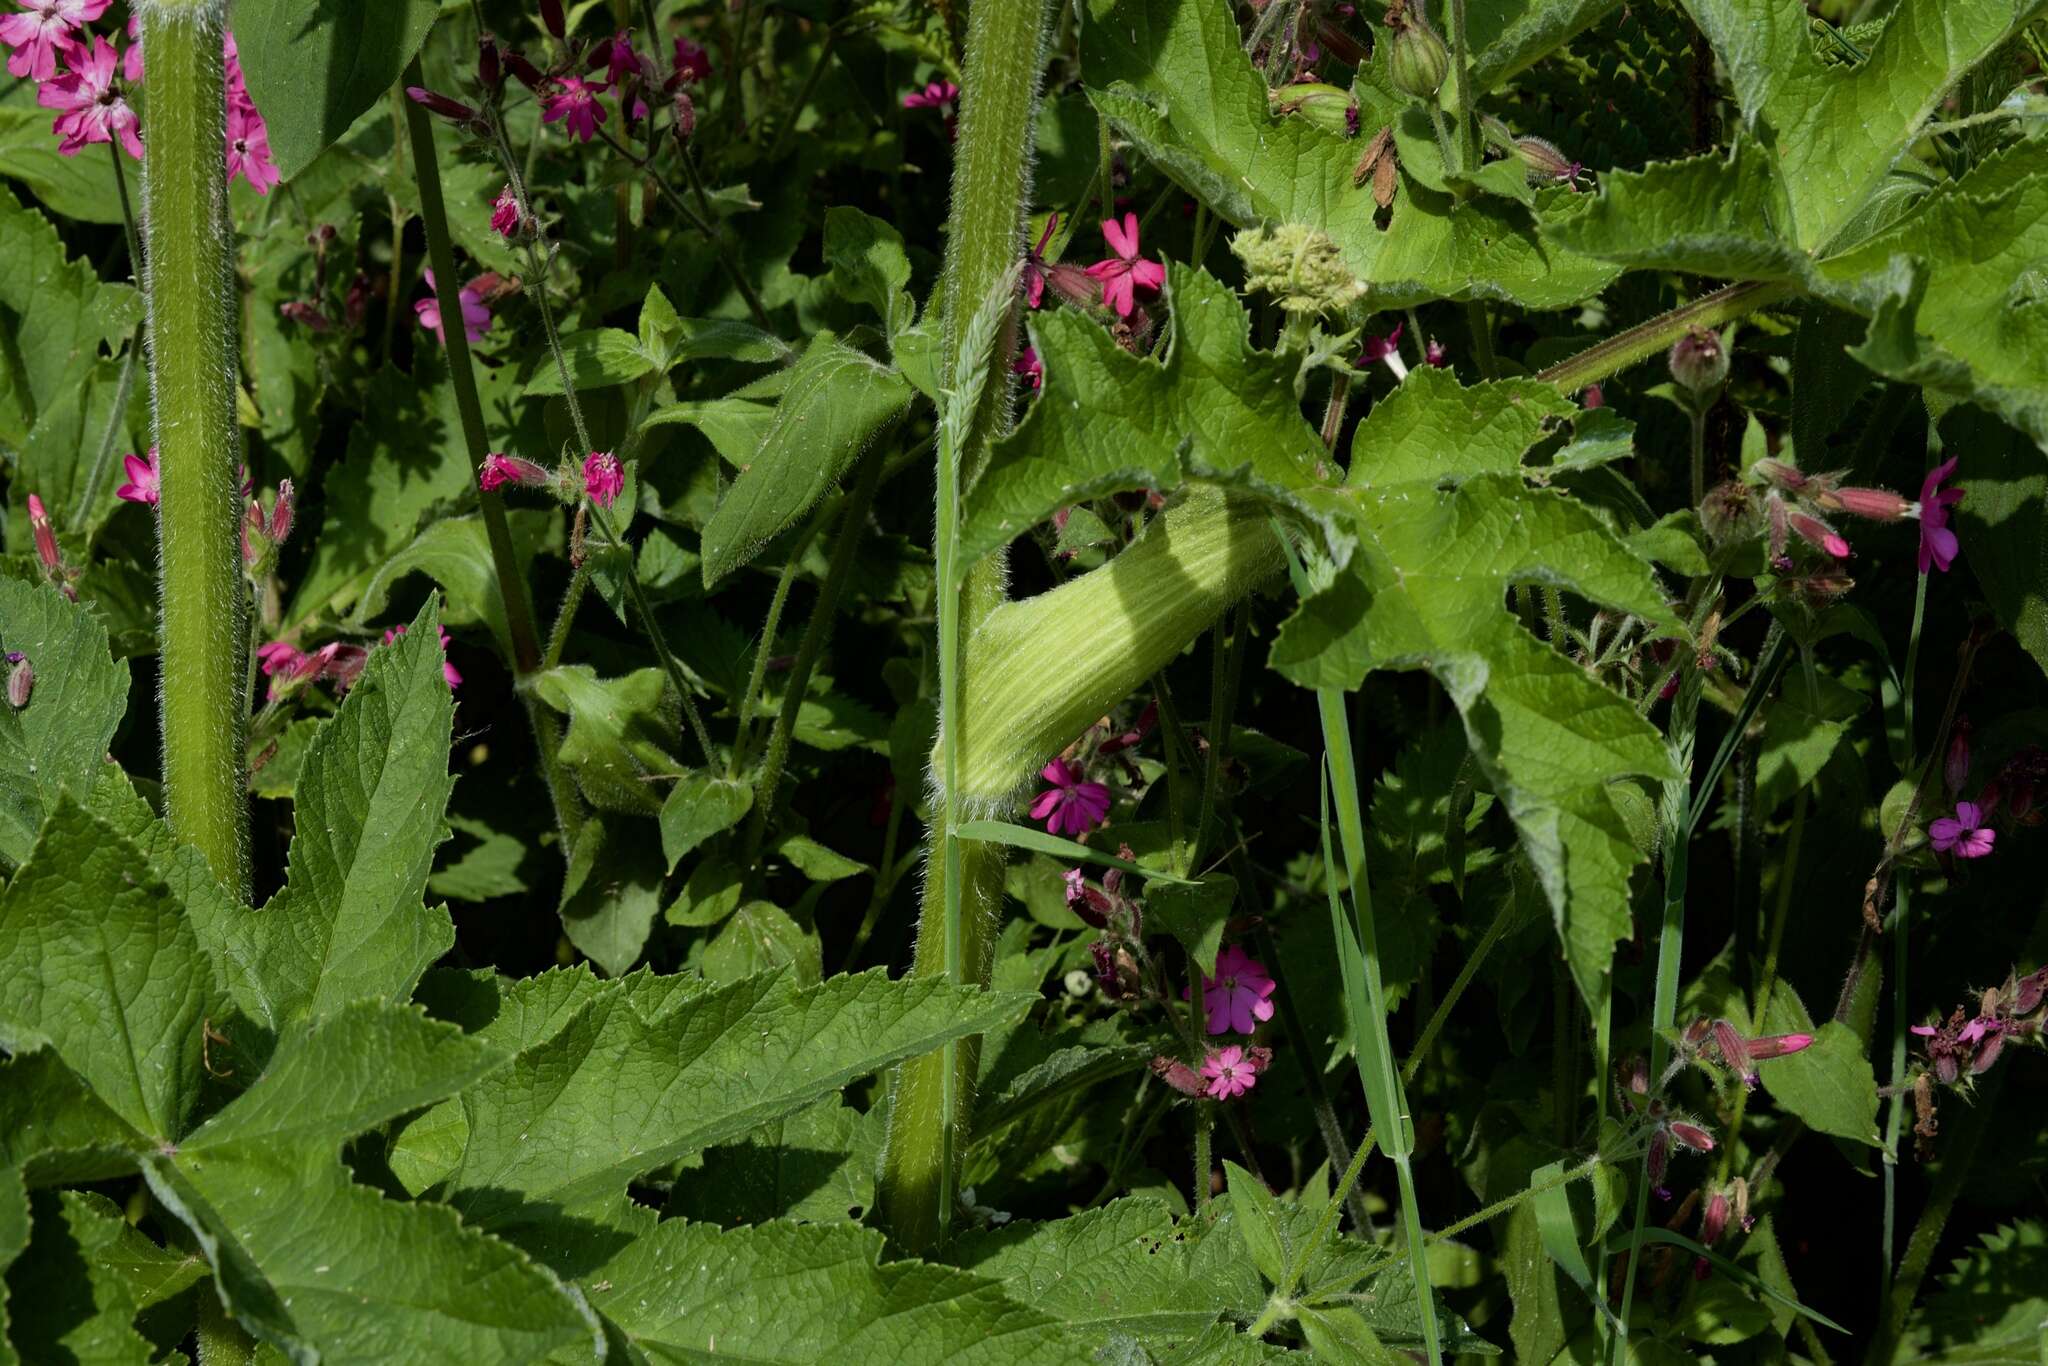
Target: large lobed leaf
(314, 67)
(59, 740)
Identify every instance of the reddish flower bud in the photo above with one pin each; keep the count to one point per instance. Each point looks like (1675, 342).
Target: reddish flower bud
(436, 103)
(281, 513)
(1734, 1052)
(1593, 397)
(1955, 766)
(1879, 505)
(305, 314)
(2028, 992)
(45, 536)
(1698, 361)
(1780, 475)
(252, 533)
(1818, 534)
(490, 72)
(21, 681)
(500, 469)
(686, 116)
(1692, 1136)
(1714, 1217)
(527, 73)
(1179, 1076)
(1779, 1045)
(551, 19)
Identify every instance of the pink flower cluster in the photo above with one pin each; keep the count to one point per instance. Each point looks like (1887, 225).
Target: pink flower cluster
(339, 662)
(604, 478)
(84, 78)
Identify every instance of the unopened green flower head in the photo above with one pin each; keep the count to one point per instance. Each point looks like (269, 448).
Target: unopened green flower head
(1419, 61)
(1299, 266)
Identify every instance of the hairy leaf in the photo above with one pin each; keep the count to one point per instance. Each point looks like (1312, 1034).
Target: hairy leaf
(314, 67)
(59, 740)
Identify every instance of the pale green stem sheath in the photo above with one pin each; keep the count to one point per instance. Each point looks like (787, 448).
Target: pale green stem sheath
(1005, 60)
(189, 275)
(1641, 342)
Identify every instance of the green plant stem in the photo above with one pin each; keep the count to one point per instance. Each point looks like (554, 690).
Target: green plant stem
(1461, 71)
(803, 96)
(1652, 338)
(886, 876)
(1482, 338)
(933, 1096)
(1178, 765)
(117, 416)
(189, 267)
(1900, 931)
(1226, 670)
(1768, 980)
(720, 242)
(776, 758)
(1205, 1116)
(1699, 454)
(770, 625)
(565, 614)
(636, 595)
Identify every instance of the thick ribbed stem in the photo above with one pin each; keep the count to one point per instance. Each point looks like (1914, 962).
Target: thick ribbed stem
(189, 273)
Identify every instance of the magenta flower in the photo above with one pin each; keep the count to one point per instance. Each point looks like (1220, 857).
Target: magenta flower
(90, 108)
(44, 535)
(1238, 997)
(39, 36)
(1125, 272)
(476, 318)
(1937, 541)
(1230, 1073)
(1437, 354)
(1963, 834)
(690, 63)
(1818, 534)
(249, 148)
(448, 671)
(143, 479)
(574, 105)
(618, 55)
(603, 477)
(936, 95)
(1384, 350)
(1070, 806)
(1028, 366)
(501, 469)
(505, 214)
(278, 657)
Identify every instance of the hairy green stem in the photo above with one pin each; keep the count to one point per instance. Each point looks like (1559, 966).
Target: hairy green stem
(189, 269)
(1641, 342)
(1896, 1111)
(771, 624)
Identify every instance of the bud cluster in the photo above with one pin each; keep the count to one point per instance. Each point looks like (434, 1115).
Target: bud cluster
(1794, 503)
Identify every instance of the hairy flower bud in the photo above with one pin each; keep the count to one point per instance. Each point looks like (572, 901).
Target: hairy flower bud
(434, 102)
(21, 681)
(44, 534)
(685, 126)
(1879, 505)
(281, 513)
(1698, 361)
(1327, 107)
(1543, 164)
(1778, 1045)
(1818, 534)
(1692, 1136)
(1419, 61)
(1727, 512)
(1734, 1052)
(1179, 1076)
(527, 73)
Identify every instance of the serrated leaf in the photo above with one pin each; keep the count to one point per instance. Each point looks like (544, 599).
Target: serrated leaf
(106, 972)
(1712, 214)
(837, 400)
(1172, 76)
(1126, 1267)
(805, 1292)
(59, 740)
(1989, 1306)
(557, 1127)
(1508, 39)
(817, 1166)
(63, 1305)
(314, 68)
(1261, 1222)
(1432, 430)
(62, 311)
(349, 922)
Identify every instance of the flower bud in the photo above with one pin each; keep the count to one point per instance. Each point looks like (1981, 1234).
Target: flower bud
(490, 72)
(1779, 1045)
(500, 469)
(1734, 1052)
(1543, 164)
(1698, 361)
(281, 513)
(1955, 766)
(1727, 514)
(45, 535)
(21, 681)
(1818, 534)
(551, 19)
(1419, 60)
(1879, 505)
(527, 73)
(1692, 1136)
(434, 102)
(1714, 1217)
(1325, 106)
(2028, 992)
(305, 313)
(1437, 354)
(1179, 1076)
(1780, 475)
(685, 126)
(252, 533)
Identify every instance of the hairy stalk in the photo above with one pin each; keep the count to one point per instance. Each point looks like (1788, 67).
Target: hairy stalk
(771, 624)
(1461, 71)
(1768, 981)
(933, 1095)
(1895, 1113)
(816, 634)
(117, 415)
(189, 270)
(1205, 1116)
(1226, 669)
(1653, 338)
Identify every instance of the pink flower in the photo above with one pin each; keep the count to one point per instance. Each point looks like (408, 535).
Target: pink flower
(44, 534)
(143, 479)
(603, 477)
(44, 32)
(1027, 365)
(1237, 998)
(1125, 272)
(1963, 834)
(278, 656)
(1779, 1045)
(690, 63)
(500, 469)
(1385, 350)
(448, 671)
(1437, 354)
(1070, 806)
(1230, 1074)
(1818, 534)
(618, 55)
(574, 105)
(505, 219)
(90, 108)
(476, 318)
(249, 148)
(1937, 542)
(936, 95)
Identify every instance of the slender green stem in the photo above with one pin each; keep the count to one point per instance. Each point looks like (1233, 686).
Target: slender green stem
(655, 637)
(1481, 327)
(723, 244)
(1901, 931)
(851, 529)
(765, 646)
(117, 415)
(803, 96)
(189, 267)
(565, 614)
(1652, 338)
(1226, 669)
(1461, 71)
(1205, 1116)
(1699, 453)
(886, 876)
(1178, 766)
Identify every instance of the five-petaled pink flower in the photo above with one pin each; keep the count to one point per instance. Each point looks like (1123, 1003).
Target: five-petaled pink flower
(690, 63)
(144, 479)
(574, 105)
(603, 477)
(1123, 274)
(1238, 997)
(1070, 806)
(936, 95)
(1963, 834)
(500, 469)
(476, 317)
(1027, 365)
(1937, 541)
(39, 36)
(90, 107)
(505, 213)
(448, 671)
(1437, 354)
(249, 148)
(1230, 1073)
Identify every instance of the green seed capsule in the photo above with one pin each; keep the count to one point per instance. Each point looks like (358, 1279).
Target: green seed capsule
(1420, 61)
